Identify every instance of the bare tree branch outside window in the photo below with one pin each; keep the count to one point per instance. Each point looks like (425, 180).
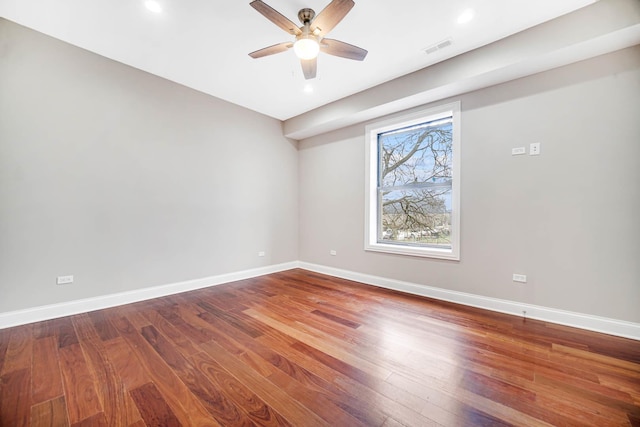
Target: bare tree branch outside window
(414, 184)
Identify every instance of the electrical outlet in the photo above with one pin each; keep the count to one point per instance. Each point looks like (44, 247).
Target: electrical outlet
(64, 280)
(522, 278)
(261, 253)
(518, 151)
(534, 149)
(332, 252)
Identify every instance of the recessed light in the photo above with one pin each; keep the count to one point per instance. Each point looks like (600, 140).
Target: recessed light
(465, 16)
(153, 6)
(308, 88)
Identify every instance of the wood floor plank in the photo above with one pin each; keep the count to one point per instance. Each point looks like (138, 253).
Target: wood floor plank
(583, 413)
(395, 402)
(337, 319)
(184, 345)
(589, 395)
(15, 402)
(317, 339)
(133, 314)
(392, 422)
(97, 420)
(496, 390)
(185, 322)
(249, 402)
(317, 400)
(47, 378)
(233, 345)
(152, 406)
(103, 325)
(392, 401)
(5, 335)
(187, 408)
(125, 362)
(66, 334)
(46, 328)
(19, 350)
(52, 413)
(627, 385)
(304, 384)
(232, 320)
(214, 400)
(305, 349)
(609, 360)
(80, 387)
(293, 410)
(110, 388)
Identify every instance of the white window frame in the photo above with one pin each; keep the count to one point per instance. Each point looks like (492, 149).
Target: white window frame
(371, 183)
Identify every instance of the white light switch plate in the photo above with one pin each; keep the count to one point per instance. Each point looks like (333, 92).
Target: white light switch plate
(534, 149)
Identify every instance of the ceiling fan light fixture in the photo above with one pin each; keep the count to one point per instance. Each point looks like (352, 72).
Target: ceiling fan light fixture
(306, 47)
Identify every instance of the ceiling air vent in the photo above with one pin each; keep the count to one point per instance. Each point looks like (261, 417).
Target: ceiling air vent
(436, 47)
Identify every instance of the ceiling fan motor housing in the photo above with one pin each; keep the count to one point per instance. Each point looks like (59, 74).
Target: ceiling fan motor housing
(306, 15)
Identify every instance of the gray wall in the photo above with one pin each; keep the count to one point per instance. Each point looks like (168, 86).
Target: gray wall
(568, 219)
(126, 180)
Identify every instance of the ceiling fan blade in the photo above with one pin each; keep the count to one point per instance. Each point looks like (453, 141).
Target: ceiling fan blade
(331, 15)
(276, 17)
(342, 49)
(271, 50)
(309, 67)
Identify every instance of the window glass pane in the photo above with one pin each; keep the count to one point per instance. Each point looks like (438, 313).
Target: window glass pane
(414, 155)
(420, 217)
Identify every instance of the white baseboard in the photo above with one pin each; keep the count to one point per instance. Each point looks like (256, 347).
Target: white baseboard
(605, 325)
(53, 311)
(578, 320)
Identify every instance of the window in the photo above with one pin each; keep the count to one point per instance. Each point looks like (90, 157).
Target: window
(413, 184)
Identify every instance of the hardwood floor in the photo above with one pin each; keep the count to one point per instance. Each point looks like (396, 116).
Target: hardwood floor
(301, 349)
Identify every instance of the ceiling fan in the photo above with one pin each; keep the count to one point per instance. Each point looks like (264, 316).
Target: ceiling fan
(310, 37)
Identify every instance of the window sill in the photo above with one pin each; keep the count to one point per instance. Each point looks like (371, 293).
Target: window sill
(448, 254)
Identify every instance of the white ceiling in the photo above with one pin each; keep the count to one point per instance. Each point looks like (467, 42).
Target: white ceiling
(204, 44)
